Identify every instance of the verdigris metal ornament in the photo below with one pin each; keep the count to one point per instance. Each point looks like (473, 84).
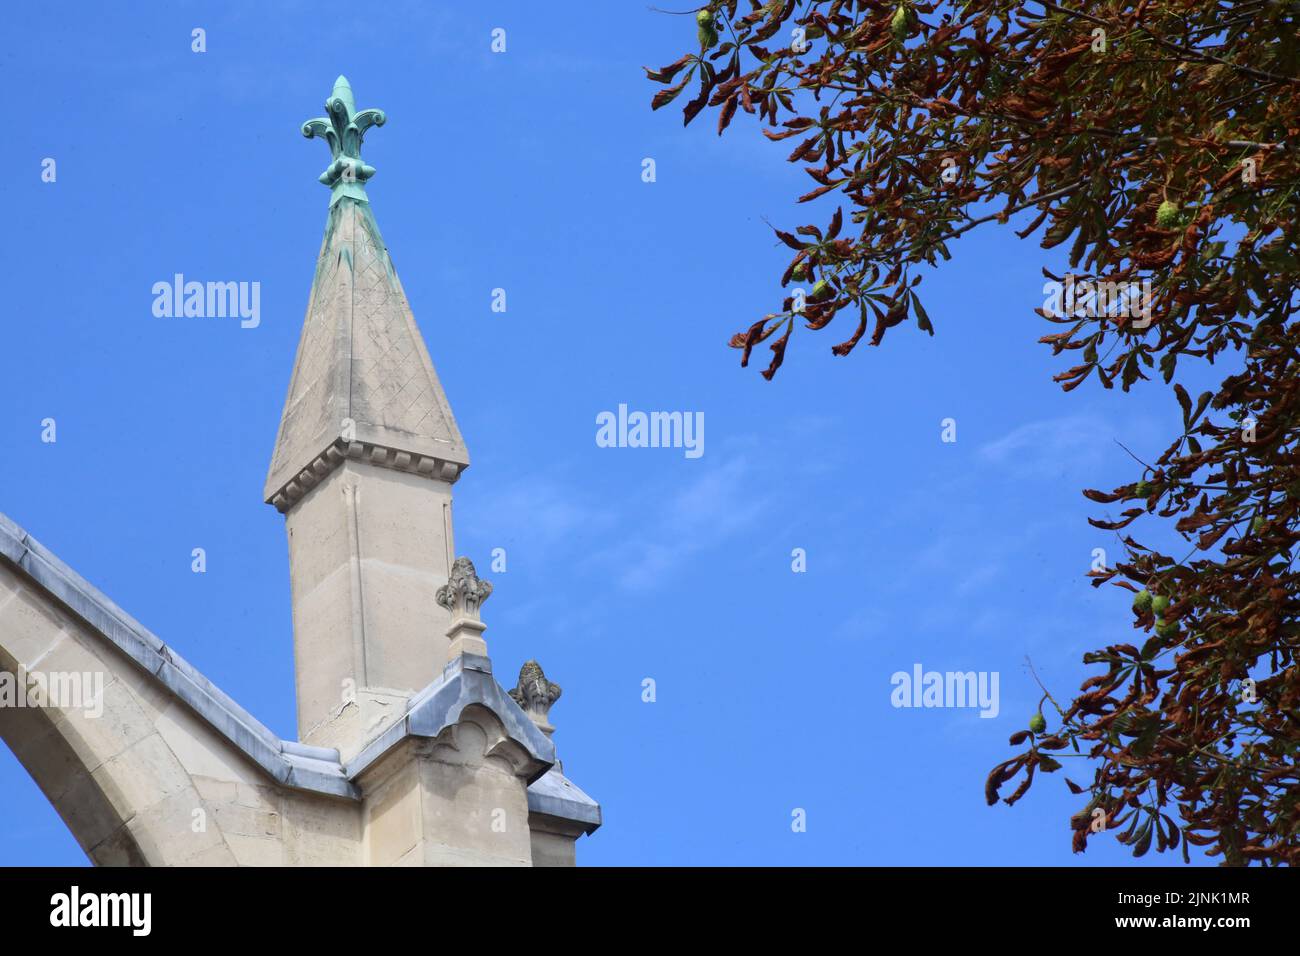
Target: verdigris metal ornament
(343, 128)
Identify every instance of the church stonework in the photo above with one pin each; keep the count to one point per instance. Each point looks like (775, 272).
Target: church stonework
(409, 751)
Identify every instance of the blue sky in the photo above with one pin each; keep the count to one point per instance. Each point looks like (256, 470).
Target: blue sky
(522, 171)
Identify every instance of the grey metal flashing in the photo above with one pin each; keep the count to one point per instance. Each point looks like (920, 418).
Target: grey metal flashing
(465, 680)
(306, 750)
(556, 795)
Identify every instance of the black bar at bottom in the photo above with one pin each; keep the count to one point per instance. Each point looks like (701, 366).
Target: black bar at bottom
(352, 906)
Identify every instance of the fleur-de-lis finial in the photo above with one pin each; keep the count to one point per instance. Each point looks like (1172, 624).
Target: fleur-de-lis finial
(343, 128)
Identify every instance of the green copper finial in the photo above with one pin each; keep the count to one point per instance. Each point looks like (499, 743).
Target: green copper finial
(344, 128)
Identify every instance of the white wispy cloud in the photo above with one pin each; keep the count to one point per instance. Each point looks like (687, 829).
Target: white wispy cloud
(539, 513)
(705, 512)
(1051, 446)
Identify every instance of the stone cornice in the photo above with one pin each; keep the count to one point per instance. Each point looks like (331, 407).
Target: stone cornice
(339, 451)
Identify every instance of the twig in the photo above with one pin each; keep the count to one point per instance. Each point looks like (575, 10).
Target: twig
(1046, 693)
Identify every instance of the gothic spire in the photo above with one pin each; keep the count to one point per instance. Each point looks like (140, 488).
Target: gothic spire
(363, 385)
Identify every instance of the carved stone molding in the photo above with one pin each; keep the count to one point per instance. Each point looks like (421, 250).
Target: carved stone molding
(463, 595)
(341, 450)
(464, 592)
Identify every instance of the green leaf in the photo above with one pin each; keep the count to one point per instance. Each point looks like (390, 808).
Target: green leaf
(1131, 372)
(1185, 401)
(1147, 739)
(1168, 362)
(922, 318)
(1142, 842)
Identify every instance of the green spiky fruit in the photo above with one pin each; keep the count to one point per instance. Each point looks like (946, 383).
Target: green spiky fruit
(706, 30)
(1166, 629)
(1037, 723)
(1142, 489)
(799, 272)
(1142, 601)
(899, 23)
(1160, 603)
(818, 288)
(1258, 524)
(1167, 214)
